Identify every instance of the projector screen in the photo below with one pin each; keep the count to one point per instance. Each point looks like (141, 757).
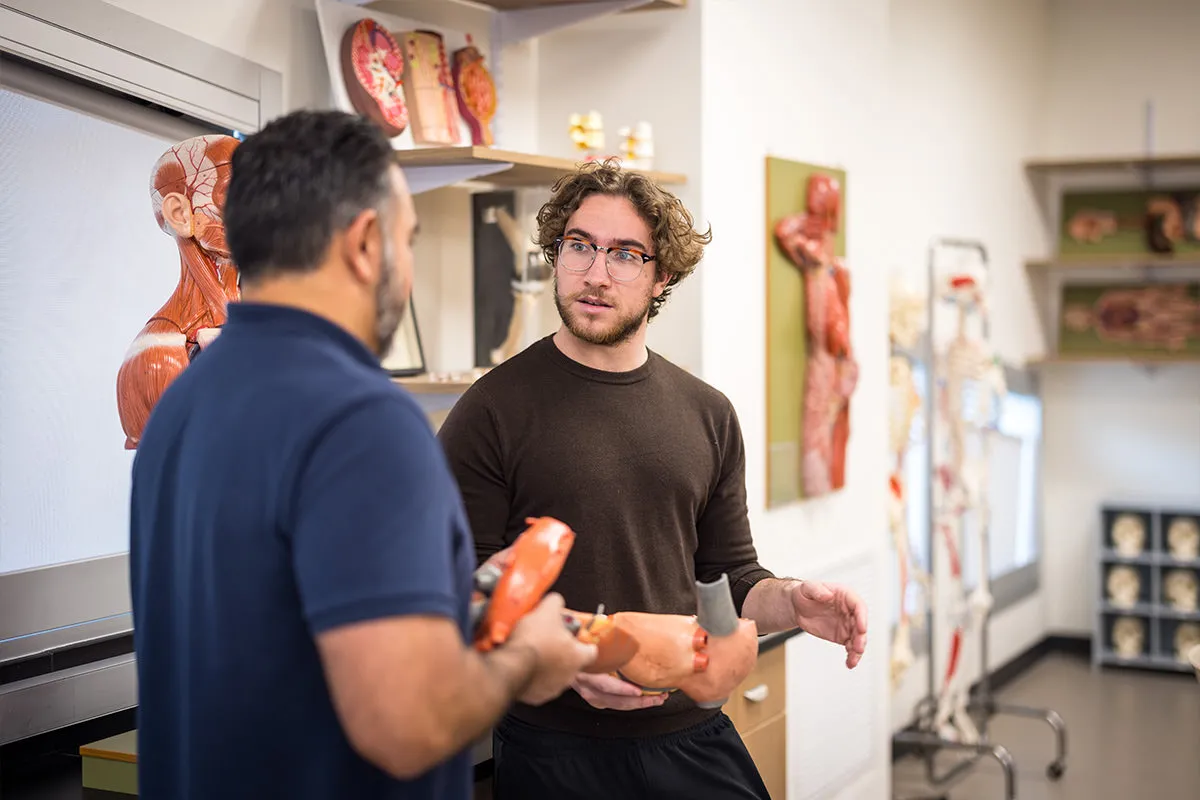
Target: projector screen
(83, 265)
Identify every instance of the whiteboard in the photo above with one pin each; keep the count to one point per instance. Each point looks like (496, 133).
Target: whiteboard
(83, 265)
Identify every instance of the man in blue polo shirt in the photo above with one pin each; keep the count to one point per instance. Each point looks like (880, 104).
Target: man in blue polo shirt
(300, 560)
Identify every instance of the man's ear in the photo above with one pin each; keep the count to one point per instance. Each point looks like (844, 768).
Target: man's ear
(362, 248)
(661, 283)
(177, 213)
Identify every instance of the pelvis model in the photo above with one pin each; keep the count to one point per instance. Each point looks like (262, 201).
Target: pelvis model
(704, 656)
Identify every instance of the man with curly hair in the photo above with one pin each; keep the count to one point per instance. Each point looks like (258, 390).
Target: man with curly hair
(647, 464)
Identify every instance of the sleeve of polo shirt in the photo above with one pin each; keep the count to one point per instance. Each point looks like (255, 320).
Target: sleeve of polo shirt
(372, 521)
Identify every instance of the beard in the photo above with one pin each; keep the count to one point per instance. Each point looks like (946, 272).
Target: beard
(616, 332)
(389, 307)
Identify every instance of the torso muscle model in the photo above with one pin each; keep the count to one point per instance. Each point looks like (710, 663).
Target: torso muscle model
(187, 189)
(832, 372)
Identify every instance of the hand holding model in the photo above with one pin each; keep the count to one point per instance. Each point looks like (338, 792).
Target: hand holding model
(560, 655)
(705, 655)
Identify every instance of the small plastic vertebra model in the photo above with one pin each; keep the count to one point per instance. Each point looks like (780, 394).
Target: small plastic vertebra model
(704, 656)
(187, 190)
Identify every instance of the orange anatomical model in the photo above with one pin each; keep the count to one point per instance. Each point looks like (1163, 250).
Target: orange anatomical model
(187, 190)
(476, 92)
(705, 656)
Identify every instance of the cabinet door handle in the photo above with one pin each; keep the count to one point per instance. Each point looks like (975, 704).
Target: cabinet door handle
(757, 694)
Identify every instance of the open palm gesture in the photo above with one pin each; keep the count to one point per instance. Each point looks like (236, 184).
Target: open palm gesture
(833, 613)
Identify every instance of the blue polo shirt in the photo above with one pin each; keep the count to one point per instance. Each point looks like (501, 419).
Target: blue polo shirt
(283, 486)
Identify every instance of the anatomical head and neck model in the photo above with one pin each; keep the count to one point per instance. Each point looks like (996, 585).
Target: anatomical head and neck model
(187, 191)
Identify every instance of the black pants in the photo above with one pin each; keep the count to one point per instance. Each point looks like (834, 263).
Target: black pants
(707, 761)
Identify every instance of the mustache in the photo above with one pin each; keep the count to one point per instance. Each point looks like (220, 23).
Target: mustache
(592, 295)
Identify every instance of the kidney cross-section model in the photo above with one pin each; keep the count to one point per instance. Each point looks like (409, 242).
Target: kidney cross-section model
(373, 70)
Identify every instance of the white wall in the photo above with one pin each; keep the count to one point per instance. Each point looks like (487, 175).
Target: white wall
(806, 81)
(1109, 57)
(1115, 432)
(967, 83)
(633, 67)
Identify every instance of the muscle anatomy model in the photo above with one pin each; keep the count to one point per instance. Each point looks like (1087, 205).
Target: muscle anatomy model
(187, 190)
(906, 326)
(704, 656)
(966, 368)
(832, 372)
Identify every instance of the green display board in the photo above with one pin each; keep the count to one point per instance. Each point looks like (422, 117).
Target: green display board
(787, 349)
(1107, 224)
(1155, 321)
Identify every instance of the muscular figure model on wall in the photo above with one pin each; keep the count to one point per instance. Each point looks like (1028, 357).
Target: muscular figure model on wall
(187, 190)
(808, 240)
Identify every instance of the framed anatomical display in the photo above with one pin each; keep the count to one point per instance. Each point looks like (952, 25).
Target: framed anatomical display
(511, 279)
(1127, 531)
(1181, 536)
(429, 88)
(1128, 637)
(1160, 319)
(1181, 589)
(1133, 222)
(1123, 586)
(406, 357)
(811, 368)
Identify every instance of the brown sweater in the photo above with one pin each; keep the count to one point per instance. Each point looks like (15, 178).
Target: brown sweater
(647, 467)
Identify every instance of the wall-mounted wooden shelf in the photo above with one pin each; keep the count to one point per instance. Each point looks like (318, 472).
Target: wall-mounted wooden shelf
(431, 384)
(1143, 360)
(520, 5)
(1174, 160)
(1113, 262)
(434, 167)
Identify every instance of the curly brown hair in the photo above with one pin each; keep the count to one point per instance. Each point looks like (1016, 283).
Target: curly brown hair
(678, 246)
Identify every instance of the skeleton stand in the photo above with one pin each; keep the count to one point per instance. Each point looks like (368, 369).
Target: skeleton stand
(926, 738)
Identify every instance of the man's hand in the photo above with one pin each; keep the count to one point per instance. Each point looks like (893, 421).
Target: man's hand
(560, 656)
(834, 613)
(609, 691)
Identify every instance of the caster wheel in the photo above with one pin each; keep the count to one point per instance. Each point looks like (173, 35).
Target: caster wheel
(1055, 770)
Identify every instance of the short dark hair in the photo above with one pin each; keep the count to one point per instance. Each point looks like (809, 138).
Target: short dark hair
(296, 182)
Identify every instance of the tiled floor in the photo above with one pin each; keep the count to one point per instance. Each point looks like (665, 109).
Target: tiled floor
(1130, 735)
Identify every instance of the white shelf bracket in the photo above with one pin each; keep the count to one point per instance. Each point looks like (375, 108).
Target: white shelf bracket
(510, 27)
(426, 178)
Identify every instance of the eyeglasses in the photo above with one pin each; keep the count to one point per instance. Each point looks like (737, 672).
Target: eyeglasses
(623, 263)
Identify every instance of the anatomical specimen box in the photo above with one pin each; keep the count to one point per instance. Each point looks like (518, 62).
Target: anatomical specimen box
(704, 656)
(187, 191)
(832, 372)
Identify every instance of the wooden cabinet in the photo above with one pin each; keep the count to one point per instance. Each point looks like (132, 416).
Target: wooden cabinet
(758, 709)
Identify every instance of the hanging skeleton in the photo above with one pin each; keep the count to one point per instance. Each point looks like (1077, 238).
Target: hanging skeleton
(906, 326)
(970, 385)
